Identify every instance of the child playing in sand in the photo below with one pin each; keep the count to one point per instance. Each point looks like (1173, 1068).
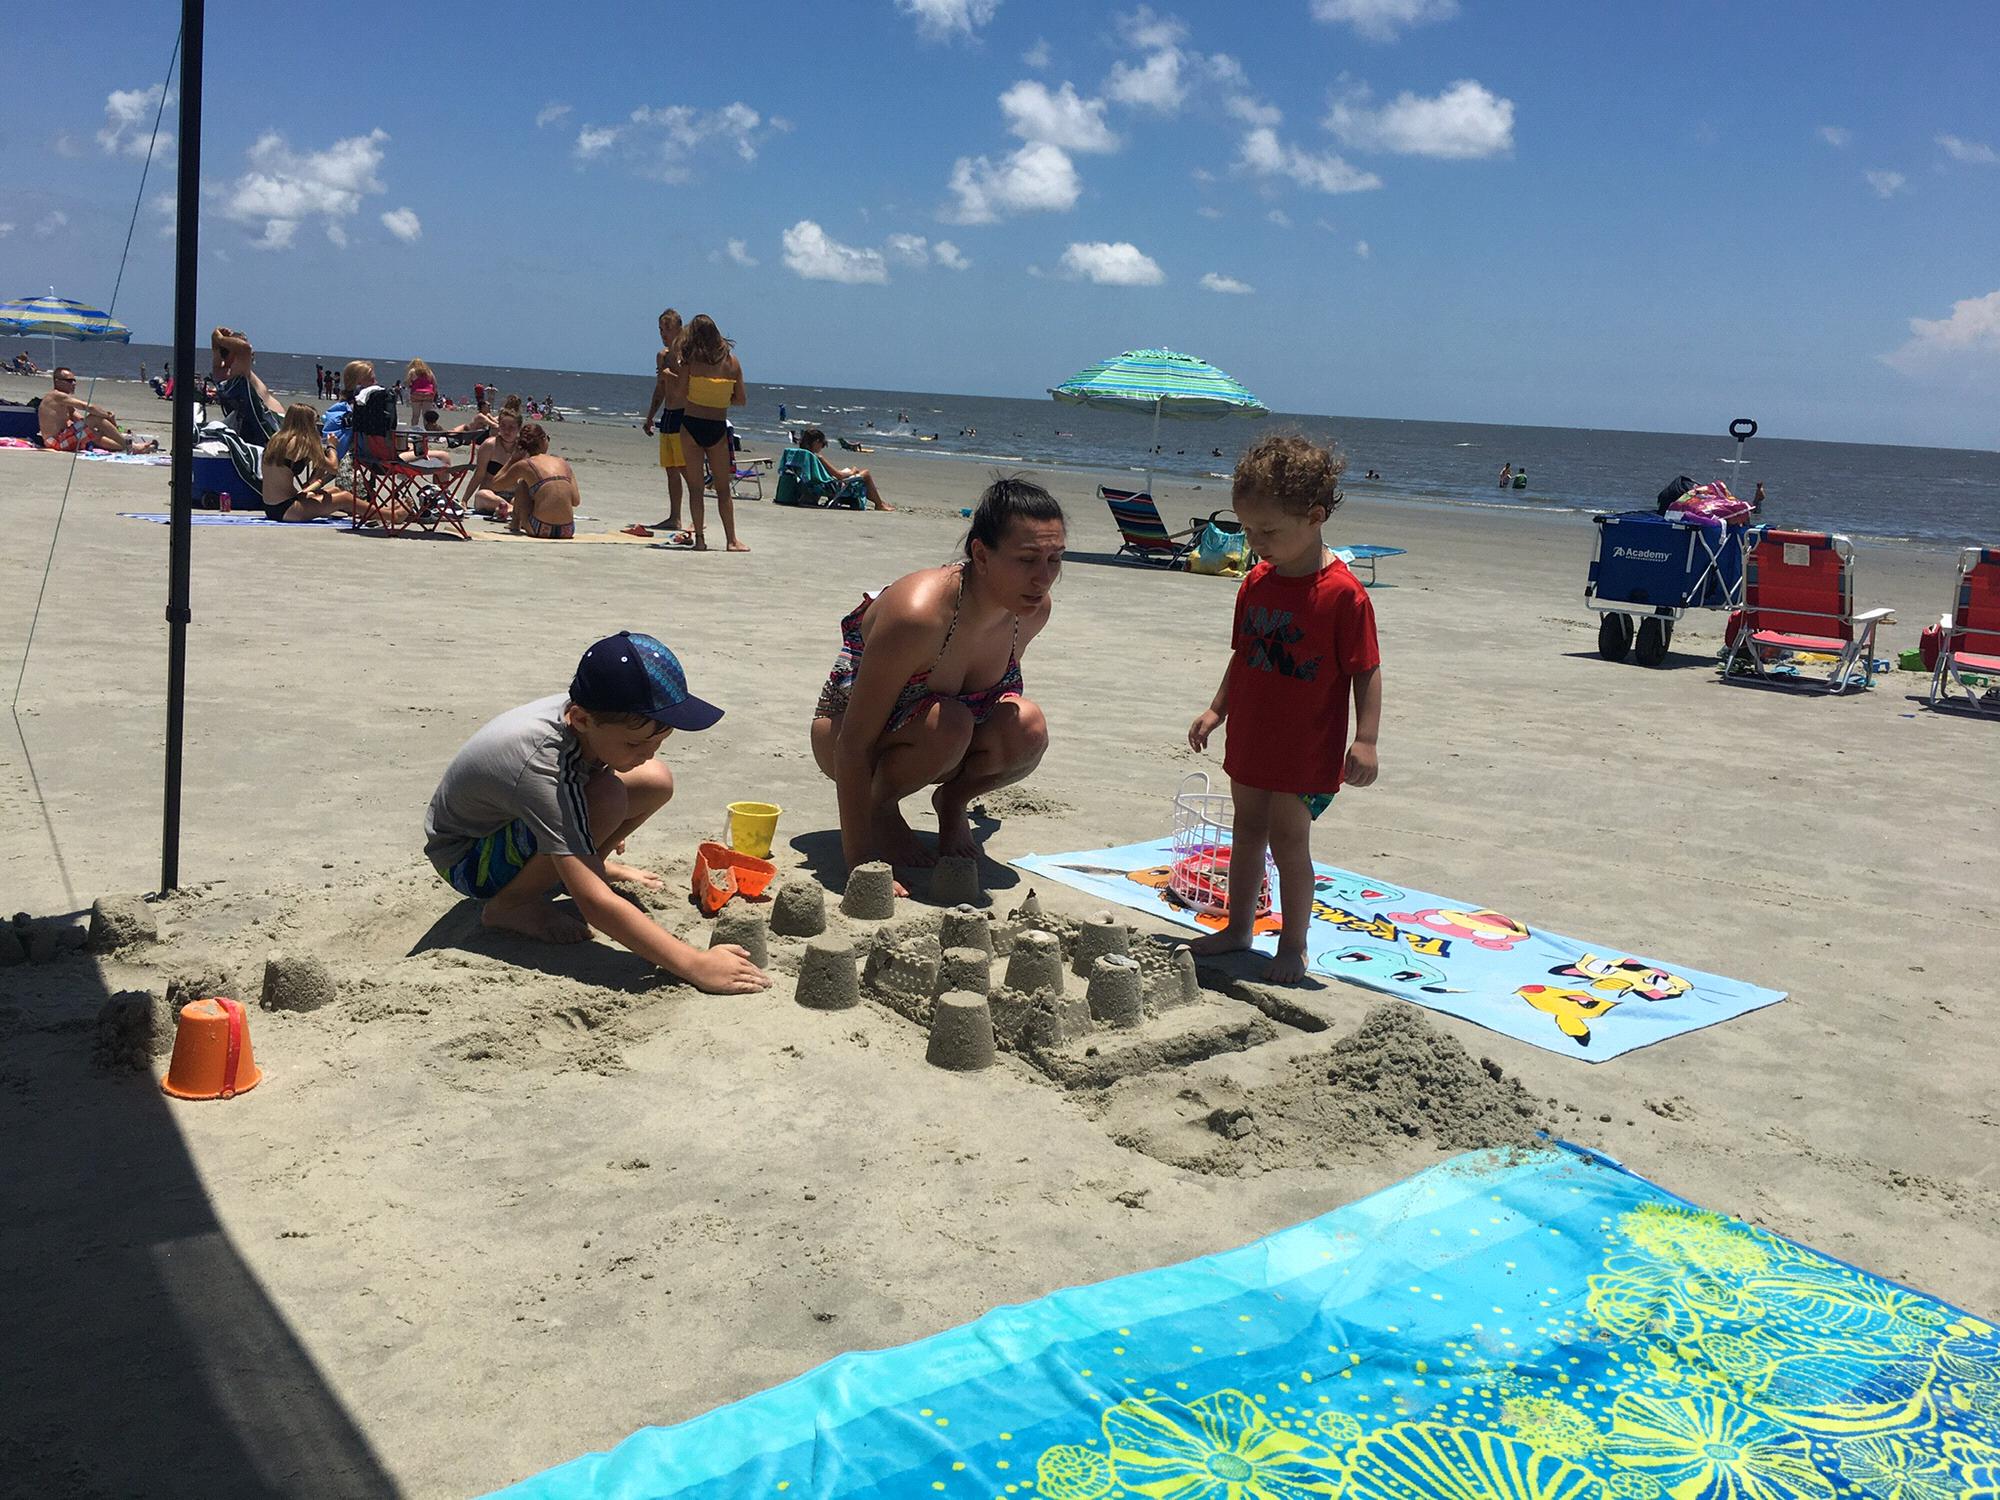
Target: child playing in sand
(1303, 639)
(540, 795)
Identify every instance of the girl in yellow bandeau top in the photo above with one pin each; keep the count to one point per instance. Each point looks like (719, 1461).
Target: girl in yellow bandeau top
(710, 381)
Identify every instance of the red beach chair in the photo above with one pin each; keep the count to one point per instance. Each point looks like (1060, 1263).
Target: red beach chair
(416, 494)
(1971, 632)
(1798, 596)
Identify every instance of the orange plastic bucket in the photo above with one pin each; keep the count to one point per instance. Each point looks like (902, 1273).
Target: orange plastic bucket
(721, 872)
(212, 1058)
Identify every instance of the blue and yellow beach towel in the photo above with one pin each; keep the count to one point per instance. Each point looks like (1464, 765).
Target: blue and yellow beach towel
(1526, 1326)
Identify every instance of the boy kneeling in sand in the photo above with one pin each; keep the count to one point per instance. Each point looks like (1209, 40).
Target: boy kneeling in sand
(541, 794)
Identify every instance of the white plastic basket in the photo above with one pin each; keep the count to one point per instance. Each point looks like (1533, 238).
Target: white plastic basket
(1204, 824)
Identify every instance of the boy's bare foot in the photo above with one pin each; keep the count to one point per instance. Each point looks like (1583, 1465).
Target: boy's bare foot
(1228, 940)
(538, 919)
(631, 875)
(955, 840)
(1286, 968)
(896, 842)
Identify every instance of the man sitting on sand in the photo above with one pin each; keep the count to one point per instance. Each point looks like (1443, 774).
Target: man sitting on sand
(69, 423)
(539, 796)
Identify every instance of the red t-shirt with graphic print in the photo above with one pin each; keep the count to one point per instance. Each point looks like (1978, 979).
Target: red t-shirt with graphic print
(1296, 646)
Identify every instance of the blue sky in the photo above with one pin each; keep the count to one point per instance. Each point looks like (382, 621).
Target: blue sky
(1639, 216)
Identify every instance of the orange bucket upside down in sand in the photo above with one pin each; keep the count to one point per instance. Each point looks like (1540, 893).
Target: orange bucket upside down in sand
(212, 1058)
(721, 872)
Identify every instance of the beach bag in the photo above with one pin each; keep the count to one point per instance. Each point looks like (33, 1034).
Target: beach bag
(1225, 554)
(1930, 645)
(1678, 487)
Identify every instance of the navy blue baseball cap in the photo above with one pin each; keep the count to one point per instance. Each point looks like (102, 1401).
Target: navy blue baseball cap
(628, 673)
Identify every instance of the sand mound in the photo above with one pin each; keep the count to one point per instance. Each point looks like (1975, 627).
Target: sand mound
(1395, 1077)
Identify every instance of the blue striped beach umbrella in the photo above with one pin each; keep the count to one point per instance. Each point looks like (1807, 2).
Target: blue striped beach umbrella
(54, 317)
(1160, 381)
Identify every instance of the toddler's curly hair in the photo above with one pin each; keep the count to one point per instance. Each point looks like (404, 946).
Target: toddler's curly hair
(1291, 469)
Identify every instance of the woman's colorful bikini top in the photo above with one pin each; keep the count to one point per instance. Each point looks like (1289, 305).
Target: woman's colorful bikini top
(710, 390)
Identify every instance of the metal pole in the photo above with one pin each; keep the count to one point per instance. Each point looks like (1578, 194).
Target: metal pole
(180, 533)
(1153, 452)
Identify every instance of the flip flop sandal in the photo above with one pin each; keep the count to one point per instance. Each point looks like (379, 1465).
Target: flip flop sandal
(636, 530)
(680, 541)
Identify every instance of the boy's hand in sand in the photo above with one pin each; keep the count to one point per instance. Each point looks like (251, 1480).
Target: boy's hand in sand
(631, 875)
(1362, 764)
(726, 970)
(1205, 723)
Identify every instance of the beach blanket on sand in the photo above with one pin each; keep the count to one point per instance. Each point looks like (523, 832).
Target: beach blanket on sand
(1580, 999)
(234, 518)
(1505, 1326)
(90, 455)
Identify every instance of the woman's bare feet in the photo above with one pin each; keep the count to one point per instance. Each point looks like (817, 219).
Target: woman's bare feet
(897, 843)
(1228, 940)
(955, 839)
(536, 919)
(1286, 968)
(631, 875)
(738, 547)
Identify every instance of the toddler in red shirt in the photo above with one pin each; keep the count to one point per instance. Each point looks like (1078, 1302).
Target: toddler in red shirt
(1303, 640)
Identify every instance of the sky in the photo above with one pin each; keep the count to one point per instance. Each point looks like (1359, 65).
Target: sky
(1640, 216)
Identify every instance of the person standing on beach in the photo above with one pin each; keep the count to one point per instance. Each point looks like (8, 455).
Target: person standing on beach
(927, 688)
(1302, 641)
(709, 383)
(666, 372)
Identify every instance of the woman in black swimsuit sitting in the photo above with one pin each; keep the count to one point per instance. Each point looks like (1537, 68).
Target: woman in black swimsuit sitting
(299, 474)
(499, 449)
(927, 689)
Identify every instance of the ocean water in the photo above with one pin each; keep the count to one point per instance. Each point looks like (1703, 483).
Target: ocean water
(1935, 495)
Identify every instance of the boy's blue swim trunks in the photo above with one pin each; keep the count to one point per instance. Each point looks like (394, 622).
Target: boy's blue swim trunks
(493, 861)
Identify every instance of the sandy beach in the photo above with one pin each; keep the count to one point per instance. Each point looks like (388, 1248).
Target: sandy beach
(498, 1206)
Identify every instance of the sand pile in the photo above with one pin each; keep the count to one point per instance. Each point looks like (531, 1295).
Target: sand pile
(1395, 1077)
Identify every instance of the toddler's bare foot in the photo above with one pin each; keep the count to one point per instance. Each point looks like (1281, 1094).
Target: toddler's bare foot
(537, 919)
(1228, 940)
(630, 875)
(1286, 968)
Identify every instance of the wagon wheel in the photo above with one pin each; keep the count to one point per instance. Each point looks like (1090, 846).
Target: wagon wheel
(1654, 635)
(1614, 636)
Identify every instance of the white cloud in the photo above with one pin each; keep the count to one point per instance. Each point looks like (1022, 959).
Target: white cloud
(1280, 218)
(1361, 249)
(1465, 122)
(811, 254)
(5, 230)
(1120, 264)
(66, 145)
(336, 236)
(1885, 183)
(1381, 20)
(1058, 119)
(1037, 178)
(128, 122)
(949, 256)
(283, 188)
(1977, 153)
(1209, 211)
(55, 219)
(1973, 328)
(1038, 56)
(1267, 156)
(1153, 84)
(910, 249)
(1215, 281)
(404, 224)
(1253, 111)
(663, 143)
(739, 251)
(941, 20)
(1149, 32)
(1835, 135)
(166, 208)
(548, 114)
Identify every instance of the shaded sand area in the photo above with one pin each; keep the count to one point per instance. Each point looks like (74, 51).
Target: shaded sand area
(495, 1206)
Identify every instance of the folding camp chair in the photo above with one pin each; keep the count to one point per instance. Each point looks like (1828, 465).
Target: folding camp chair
(1144, 536)
(1798, 596)
(420, 493)
(804, 479)
(1971, 632)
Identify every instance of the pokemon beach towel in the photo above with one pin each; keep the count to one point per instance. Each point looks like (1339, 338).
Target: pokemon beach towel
(1580, 999)
(1504, 1326)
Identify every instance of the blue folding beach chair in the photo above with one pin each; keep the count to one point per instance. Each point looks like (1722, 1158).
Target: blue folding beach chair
(803, 479)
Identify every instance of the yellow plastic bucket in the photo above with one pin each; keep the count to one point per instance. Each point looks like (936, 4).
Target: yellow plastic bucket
(750, 827)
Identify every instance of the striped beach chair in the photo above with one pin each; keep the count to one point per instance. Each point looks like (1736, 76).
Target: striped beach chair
(1971, 633)
(1798, 597)
(1144, 536)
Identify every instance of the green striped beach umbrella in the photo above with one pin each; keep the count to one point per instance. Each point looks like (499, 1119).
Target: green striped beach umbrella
(54, 317)
(1160, 381)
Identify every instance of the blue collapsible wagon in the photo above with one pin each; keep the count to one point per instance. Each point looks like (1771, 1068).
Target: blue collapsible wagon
(1649, 570)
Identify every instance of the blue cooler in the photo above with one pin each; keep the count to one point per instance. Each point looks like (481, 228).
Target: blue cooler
(19, 422)
(214, 477)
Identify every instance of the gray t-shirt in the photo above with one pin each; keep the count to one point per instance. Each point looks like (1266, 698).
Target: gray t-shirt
(525, 764)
